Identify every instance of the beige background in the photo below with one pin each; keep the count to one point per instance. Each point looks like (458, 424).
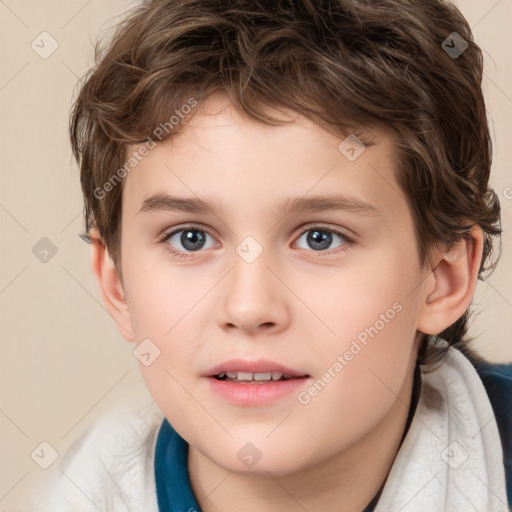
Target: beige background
(62, 360)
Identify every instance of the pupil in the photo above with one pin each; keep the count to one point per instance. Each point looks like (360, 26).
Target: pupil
(323, 238)
(192, 239)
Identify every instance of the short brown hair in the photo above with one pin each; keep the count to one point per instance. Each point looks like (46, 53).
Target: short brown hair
(348, 65)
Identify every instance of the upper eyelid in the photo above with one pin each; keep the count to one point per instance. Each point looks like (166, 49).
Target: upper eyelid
(167, 233)
(324, 227)
(303, 228)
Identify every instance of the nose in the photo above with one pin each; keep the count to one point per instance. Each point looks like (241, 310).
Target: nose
(253, 300)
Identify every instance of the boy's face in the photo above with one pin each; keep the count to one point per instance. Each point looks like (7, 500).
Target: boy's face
(338, 311)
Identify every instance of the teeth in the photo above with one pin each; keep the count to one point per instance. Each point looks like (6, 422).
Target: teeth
(249, 376)
(263, 376)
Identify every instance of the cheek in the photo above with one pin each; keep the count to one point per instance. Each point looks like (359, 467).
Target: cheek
(160, 312)
(372, 299)
(161, 299)
(359, 383)
(374, 346)
(372, 314)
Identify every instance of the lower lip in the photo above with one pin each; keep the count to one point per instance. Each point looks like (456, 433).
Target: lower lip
(255, 394)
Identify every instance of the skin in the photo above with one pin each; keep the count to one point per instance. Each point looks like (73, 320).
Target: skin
(295, 305)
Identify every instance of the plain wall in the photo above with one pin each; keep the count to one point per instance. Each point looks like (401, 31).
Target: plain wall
(62, 360)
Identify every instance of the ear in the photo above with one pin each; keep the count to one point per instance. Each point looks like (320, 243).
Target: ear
(111, 286)
(453, 282)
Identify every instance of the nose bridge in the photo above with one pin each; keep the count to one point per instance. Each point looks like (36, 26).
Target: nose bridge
(250, 275)
(252, 296)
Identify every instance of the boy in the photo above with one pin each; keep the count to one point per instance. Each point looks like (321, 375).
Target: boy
(289, 209)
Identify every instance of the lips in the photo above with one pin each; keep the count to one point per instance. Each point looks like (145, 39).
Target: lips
(261, 383)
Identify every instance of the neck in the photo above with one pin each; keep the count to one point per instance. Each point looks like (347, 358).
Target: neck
(347, 481)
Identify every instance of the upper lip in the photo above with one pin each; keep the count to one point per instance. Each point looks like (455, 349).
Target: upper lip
(258, 366)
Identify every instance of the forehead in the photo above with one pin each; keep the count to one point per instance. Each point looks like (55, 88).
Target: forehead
(227, 159)
(217, 120)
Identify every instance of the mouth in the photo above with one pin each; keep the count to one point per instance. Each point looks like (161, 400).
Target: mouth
(255, 377)
(260, 383)
(262, 371)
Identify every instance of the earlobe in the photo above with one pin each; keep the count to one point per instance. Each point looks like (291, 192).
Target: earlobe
(111, 286)
(455, 278)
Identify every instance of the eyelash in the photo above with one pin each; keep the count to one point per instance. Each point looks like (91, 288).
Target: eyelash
(182, 255)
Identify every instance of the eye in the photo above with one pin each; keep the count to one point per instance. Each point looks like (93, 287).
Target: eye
(320, 238)
(182, 243)
(190, 240)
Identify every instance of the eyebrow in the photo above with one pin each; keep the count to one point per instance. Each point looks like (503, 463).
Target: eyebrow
(321, 203)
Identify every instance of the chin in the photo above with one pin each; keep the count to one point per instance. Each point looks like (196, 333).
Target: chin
(259, 459)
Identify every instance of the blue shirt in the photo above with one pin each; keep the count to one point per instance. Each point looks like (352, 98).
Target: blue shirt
(174, 491)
